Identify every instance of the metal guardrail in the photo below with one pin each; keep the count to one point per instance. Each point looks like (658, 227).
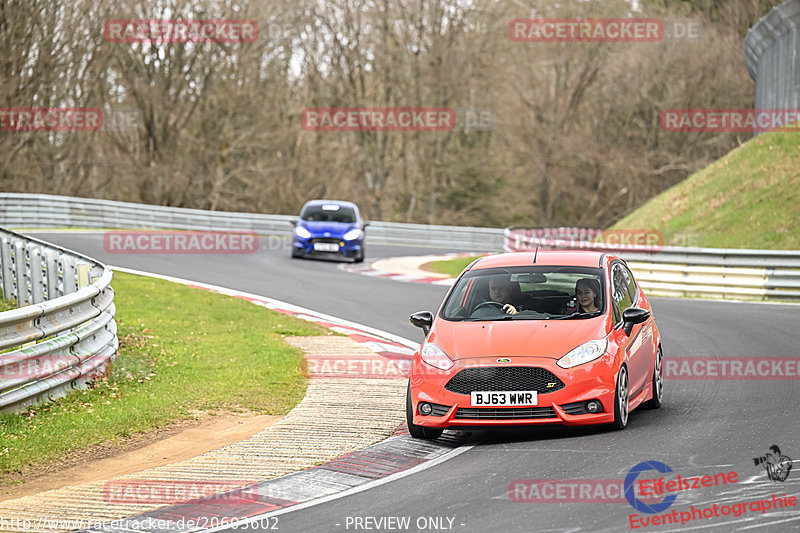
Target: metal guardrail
(688, 272)
(735, 274)
(63, 334)
(770, 54)
(42, 211)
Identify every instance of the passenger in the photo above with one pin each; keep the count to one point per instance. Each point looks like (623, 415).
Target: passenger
(502, 290)
(589, 295)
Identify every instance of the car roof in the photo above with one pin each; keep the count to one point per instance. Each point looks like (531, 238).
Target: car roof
(580, 258)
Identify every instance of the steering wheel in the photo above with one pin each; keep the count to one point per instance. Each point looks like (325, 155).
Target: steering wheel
(488, 304)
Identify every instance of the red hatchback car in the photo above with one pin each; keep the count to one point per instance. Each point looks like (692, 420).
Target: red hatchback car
(565, 337)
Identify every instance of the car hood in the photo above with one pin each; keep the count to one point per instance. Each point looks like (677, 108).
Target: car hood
(334, 228)
(515, 338)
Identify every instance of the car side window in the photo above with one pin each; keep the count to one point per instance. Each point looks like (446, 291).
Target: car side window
(620, 295)
(632, 289)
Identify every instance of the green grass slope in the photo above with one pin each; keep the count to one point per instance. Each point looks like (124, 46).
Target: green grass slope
(748, 199)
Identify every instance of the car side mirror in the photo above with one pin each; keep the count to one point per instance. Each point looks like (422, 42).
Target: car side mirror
(293, 222)
(631, 316)
(364, 225)
(422, 319)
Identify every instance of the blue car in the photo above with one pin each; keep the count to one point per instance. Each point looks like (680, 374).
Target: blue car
(328, 227)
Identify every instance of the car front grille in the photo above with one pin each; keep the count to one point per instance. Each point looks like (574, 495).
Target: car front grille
(331, 240)
(512, 413)
(506, 378)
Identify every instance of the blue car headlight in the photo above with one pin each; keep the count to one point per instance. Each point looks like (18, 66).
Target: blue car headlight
(588, 351)
(353, 234)
(302, 232)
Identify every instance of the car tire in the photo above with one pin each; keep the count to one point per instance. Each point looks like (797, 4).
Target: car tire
(621, 397)
(360, 257)
(296, 253)
(418, 432)
(658, 384)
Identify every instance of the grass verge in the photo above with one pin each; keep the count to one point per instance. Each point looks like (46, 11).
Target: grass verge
(746, 199)
(182, 351)
(451, 267)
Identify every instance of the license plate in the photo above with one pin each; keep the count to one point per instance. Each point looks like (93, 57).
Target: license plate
(517, 398)
(326, 247)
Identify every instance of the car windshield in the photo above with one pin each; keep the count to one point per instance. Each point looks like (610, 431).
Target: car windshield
(329, 213)
(535, 292)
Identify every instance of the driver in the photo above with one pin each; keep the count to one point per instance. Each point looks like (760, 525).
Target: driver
(501, 290)
(588, 293)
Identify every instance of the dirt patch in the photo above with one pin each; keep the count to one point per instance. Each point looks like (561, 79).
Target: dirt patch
(428, 268)
(176, 442)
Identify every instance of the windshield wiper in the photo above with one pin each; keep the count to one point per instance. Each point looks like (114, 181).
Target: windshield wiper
(578, 315)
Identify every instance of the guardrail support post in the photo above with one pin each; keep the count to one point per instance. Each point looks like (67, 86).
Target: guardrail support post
(23, 280)
(37, 276)
(51, 260)
(6, 269)
(68, 274)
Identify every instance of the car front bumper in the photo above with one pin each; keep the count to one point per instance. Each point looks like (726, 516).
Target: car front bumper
(592, 381)
(344, 248)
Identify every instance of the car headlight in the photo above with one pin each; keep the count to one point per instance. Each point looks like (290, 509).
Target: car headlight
(588, 351)
(435, 356)
(352, 235)
(302, 232)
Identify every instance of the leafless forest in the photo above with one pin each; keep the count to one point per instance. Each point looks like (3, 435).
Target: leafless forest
(573, 139)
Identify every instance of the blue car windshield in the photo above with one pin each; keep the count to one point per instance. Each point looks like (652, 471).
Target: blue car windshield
(329, 213)
(534, 293)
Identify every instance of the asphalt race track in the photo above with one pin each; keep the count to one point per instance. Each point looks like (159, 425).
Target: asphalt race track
(705, 427)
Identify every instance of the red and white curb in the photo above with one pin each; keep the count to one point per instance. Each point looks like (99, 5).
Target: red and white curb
(396, 457)
(406, 269)
(253, 507)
